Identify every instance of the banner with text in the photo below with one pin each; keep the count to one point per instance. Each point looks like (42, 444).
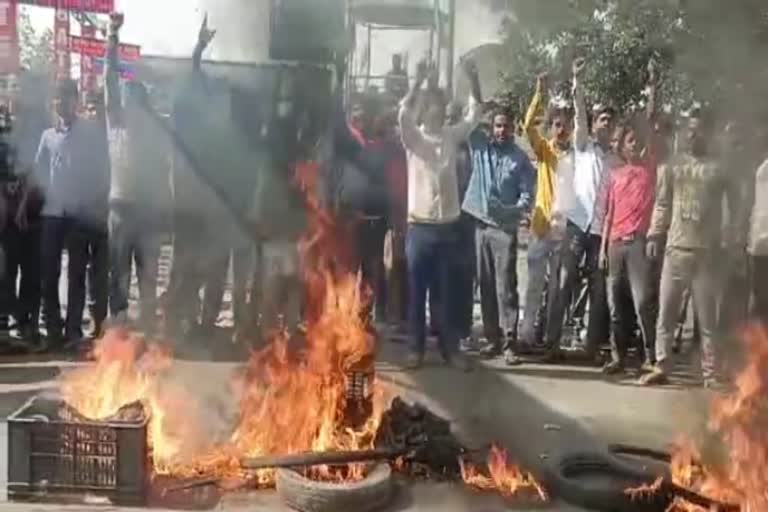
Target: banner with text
(9, 39)
(99, 6)
(97, 48)
(87, 73)
(61, 43)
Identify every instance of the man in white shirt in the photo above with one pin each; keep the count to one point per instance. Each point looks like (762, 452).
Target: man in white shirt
(434, 208)
(578, 221)
(758, 245)
(140, 191)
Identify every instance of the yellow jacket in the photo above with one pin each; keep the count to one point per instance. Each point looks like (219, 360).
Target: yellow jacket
(547, 155)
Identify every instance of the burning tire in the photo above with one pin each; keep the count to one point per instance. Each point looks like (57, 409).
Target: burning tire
(305, 495)
(600, 482)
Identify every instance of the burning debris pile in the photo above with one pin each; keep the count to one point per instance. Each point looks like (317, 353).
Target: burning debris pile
(730, 472)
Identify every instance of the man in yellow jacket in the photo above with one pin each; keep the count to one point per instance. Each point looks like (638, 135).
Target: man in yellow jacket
(551, 154)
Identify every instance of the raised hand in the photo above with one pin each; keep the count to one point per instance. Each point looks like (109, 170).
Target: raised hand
(421, 71)
(653, 74)
(542, 81)
(206, 35)
(470, 68)
(578, 66)
(116, 20)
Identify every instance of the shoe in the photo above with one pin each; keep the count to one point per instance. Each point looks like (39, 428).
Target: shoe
(656, 377)
(469, 344)
(613, 368)
(415, 361)
(713, 384)
(459, 361)
(492, 351)
(511, 359)
(647, 367)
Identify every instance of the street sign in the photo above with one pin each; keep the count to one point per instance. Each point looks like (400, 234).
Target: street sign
(97, 6)
(61, 43)
(9, 39)
(97, 48)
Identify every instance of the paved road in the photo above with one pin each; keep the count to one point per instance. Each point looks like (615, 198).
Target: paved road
(534, 410)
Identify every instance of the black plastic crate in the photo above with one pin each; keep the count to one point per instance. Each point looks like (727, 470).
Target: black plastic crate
(52, 459)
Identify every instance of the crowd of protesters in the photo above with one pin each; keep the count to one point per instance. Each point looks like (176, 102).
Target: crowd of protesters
(628, 223)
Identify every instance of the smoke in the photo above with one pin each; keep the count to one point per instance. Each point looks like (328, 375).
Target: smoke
(242, 29)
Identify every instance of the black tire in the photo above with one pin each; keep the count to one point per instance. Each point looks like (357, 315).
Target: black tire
(304, 495)
(599, 482)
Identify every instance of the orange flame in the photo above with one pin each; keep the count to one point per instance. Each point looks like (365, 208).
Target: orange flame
(507, 479)
(291, 400)
(738, 419)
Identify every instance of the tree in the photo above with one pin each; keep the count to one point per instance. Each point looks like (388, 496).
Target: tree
(36, 50)
(707, 50)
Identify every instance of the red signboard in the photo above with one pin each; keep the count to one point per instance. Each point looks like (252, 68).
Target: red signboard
(99, 6)
(98, 48)
(9, 39)
(61, 42)
(87, 73)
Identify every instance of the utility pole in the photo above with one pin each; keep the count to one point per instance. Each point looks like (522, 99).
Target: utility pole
(451, 45)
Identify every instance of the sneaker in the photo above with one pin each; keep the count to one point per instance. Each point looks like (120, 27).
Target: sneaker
(656, 377)
(613, 368)
(414, 361)
(511, 359)
(469, 344)
(492, 351)
(647, 367)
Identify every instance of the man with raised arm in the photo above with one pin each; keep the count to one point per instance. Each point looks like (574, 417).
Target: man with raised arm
(629, 205)
(140, 193)
(577, 219)
(434, 208)
(551, 154)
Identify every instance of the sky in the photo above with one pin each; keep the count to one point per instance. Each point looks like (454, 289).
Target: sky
(169, 27)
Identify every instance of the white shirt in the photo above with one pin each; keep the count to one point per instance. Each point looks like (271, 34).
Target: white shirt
(580, 185)
(433, 189)
(758, 228)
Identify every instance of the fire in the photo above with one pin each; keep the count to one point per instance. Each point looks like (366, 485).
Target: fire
(732, 467)
(503, 477)
(292, 399)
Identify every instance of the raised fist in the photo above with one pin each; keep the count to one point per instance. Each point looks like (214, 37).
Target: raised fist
(116, 20)
(206, 35)
(578, 66)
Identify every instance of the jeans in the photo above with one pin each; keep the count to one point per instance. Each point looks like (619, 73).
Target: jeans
(85, 243)
(541, 261)
(759, 279)
(578, 246)
(497, 274)
(431, 251)
(397, 281)
(685, 268)
(466, 269)
(22, 255)
(134, 238)
(628, 267)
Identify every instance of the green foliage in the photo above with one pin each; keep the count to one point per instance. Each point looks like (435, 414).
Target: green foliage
(36, 50)
(707, 50)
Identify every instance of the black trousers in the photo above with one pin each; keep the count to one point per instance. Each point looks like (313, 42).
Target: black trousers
(628, 270)
(578, 246)
(497, 275)
(759, 279)
(369, 234)
(86, 243)
(22, 257)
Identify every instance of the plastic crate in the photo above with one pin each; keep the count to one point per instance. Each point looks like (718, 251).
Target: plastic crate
(50, 459)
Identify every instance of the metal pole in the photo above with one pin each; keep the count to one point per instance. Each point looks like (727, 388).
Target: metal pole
(368, 73)
(439, 32)
(451, 45)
